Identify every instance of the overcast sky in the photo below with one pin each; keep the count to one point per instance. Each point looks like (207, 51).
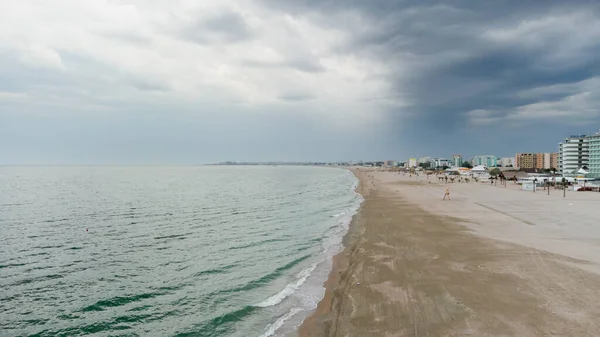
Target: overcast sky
(187, 82)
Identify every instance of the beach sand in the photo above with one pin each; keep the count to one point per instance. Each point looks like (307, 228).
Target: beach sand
(493, 261)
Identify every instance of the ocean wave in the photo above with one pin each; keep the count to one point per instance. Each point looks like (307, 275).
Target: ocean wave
(253, 244)
(288, 290)
(339, 214)
(119, 301)
(221, 325)
(272, 328)
(257, 283)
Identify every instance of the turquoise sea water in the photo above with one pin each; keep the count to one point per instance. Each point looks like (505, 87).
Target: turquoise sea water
(167, 251)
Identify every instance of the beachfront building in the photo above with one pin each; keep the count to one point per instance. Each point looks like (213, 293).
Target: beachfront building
(536, 160)
(412, 162)
(573, 153)
(594, 164)
(487, 160)
(507, 162)
(440, 162)
(526, 160)
(542, 161)
(457, 160)
(554, 160)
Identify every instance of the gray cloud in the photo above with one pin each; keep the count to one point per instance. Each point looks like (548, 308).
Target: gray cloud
(148, 84)
(515, 73)
(296, 97)
(464, 56)
(220, 27)
(309, 65)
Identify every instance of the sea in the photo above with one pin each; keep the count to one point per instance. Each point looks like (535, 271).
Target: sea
(167, 251)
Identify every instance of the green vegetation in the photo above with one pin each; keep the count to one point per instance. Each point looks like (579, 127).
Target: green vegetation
(495, 172)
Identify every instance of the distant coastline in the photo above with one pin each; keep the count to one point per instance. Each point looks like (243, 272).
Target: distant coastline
(277, 163)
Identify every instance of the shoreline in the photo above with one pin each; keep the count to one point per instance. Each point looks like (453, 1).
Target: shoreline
(413, 265)
(317, 320)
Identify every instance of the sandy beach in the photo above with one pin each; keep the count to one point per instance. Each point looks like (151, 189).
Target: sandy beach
(492, 261)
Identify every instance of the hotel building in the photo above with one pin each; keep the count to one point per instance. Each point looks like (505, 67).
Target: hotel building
(489, 161)
(574, 153)
(594, 164)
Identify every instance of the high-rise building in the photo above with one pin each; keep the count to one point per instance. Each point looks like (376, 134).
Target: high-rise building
(440, 162)
(457, 160)
(536, 160)
(526, 160)
(487, 160)
(554, 160)
(594, 164)
(574, 153)
(542, 160)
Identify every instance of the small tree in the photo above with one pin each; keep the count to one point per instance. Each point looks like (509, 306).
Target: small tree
(466, 164)
(495, 172)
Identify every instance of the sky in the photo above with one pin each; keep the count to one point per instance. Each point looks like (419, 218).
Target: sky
(191, 82)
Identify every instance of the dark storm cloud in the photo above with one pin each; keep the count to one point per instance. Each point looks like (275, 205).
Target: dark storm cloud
(454, 67)
(221, 27)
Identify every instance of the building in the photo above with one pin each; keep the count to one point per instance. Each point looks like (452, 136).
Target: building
(487, 160)
(594, 163)
(554, 160)
(440, 162)
(574, 153)
(457, 160)
(526, 160)
(391, 163)
(542, 160)
(536, 160)
(412, 162)
(507, 162)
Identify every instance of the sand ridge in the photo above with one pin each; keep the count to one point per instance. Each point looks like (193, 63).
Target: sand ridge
(415, 265)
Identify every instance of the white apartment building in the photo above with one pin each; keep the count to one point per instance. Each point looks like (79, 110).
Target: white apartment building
(440, 162)
(506, 162)
(594, 168)
(573, 153)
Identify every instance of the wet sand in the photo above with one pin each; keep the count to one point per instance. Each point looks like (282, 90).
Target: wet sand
(493, 261)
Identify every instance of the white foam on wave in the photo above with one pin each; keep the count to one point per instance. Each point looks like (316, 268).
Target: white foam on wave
(339, 214)
(289, 289)
(332, 244)
(272, 328)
